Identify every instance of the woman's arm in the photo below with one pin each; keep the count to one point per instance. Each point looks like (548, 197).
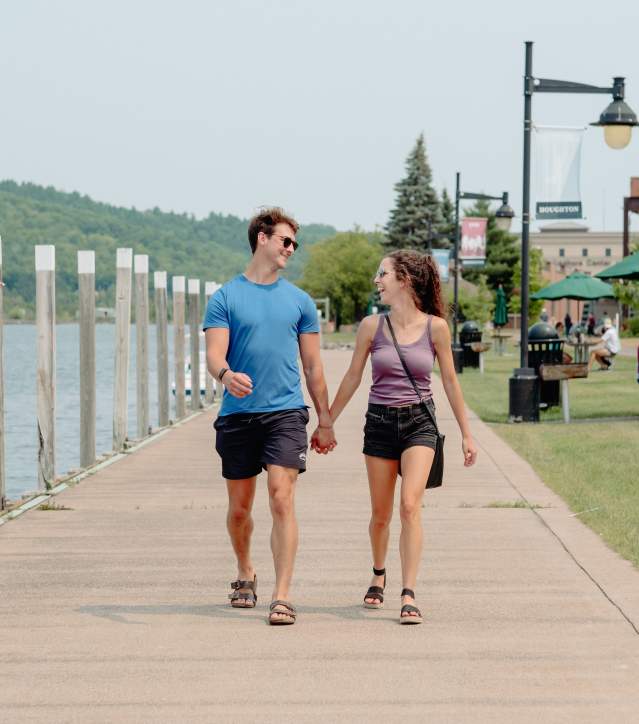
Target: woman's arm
(353, 377)
(441, 341)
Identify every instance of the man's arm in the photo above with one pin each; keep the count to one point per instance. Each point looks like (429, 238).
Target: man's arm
(217, 344)
(316, 385)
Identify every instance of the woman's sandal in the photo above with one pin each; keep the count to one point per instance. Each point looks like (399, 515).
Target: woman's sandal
(376, 592)
(244, 598)
(286, 609)
(407, 609)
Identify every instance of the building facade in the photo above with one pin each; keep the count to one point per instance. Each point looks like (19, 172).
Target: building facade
(569, 246)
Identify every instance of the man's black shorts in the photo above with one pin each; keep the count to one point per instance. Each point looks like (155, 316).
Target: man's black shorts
(248, 442)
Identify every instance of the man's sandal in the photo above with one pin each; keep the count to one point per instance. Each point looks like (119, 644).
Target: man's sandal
(376, 592)
(246, 598)
(405, 615)
(289, 612)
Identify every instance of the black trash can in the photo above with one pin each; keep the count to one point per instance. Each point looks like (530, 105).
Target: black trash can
(545, 347)
(470, 332)
(523, 389)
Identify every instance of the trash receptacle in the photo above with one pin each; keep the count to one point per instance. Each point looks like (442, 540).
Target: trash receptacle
(470, 332)
(545, 347)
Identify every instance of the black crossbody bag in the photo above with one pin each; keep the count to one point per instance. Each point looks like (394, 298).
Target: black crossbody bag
(436, 475)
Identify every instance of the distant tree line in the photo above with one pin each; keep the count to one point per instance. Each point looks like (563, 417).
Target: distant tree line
(214, 248)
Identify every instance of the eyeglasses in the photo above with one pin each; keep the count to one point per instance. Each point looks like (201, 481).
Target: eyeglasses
(381, 273)
(287, 241)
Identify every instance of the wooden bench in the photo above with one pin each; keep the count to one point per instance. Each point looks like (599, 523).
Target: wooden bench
(563, 373)
(480, 347)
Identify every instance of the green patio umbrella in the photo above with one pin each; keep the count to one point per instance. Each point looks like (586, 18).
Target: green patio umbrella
(576, 286)
(500, 318)
(627, 268)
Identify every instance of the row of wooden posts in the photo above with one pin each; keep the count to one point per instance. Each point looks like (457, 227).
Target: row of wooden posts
(126, 262)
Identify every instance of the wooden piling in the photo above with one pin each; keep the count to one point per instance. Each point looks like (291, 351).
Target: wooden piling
(86, 286)
(124, 261)
(209, 290)
(194, 330)
(3, 488)
(162, 346)
(45, 375)
(178, 343)
(141, 270)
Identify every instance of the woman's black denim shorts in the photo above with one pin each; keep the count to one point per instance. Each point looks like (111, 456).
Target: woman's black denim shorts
(390, 430)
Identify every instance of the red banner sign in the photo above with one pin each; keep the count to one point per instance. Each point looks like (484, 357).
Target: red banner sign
(473, 239)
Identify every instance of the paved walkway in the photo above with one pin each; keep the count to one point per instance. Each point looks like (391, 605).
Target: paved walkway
(115, 609)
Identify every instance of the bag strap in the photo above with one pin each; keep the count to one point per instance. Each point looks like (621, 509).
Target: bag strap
(408, 373)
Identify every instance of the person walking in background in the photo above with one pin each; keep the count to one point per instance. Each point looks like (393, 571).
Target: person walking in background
(604, 353)
(255, 325)
(591, 325)
(567, 324)
(399, 434)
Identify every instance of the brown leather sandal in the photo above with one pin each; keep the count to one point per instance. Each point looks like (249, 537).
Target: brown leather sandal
(244, 598)
(290, 613)
(376, 592)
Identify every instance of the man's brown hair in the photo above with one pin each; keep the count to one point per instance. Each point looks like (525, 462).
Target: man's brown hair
(266, 220)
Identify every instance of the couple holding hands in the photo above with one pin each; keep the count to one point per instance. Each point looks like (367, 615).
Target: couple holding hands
(256, 325)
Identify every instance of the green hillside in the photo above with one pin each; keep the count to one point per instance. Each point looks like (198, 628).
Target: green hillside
(211, 249)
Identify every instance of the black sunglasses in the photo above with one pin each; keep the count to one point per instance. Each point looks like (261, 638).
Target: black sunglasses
(287, 241)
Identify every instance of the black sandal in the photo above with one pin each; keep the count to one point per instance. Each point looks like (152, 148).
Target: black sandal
(407, 609)
(376, 592)
(290, 612)
(244, 599)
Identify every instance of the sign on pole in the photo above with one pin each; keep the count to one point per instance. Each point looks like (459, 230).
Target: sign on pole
(442, 259)
(473, 241)
(557, 170)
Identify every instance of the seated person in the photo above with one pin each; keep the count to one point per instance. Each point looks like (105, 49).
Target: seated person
(603, 353)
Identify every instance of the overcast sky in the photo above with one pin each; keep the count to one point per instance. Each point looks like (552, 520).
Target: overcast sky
(226, 105)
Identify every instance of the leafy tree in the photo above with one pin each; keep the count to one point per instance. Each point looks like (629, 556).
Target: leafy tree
(417, 208)
(477, 305)
(342, 268)
(535, 282)
(502, 252)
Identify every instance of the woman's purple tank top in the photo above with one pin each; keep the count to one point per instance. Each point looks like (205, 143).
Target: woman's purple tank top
(390, 385)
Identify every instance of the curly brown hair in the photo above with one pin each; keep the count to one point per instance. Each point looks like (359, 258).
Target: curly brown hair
(266, 220)
(422, 275)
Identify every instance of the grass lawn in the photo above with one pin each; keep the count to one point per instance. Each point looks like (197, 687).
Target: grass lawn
(591, 465)
(614, 393)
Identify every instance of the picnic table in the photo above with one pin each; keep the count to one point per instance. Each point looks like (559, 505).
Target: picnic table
(582, 347)
(500, 336)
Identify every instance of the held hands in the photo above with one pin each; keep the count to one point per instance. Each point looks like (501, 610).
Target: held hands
(237, 383)
(470, 451)
(323, 439)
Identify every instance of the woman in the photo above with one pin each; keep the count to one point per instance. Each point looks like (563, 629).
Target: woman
(399, 435)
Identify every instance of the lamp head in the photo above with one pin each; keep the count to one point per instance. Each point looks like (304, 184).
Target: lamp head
(504, 214)
(618, 119)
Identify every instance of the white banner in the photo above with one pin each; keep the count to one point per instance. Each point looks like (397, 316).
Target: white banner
(557, 172)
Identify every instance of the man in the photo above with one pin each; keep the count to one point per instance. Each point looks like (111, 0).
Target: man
(609, 347)
(255, 326)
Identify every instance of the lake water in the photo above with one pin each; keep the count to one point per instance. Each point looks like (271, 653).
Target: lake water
(20, 398)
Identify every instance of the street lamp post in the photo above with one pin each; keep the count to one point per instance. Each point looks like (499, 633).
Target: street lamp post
(503, 218)
(617, 120)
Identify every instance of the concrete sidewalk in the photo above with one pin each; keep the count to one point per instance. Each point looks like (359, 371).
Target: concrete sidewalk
(115, 609)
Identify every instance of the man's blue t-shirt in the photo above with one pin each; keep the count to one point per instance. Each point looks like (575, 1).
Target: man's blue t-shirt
(264, 323)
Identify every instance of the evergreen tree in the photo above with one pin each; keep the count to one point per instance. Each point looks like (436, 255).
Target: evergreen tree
(502, 252)
(417, 212)
(447, 227)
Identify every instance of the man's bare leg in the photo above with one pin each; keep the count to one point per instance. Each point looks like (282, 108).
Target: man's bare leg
(284, 535)
(239, 523)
